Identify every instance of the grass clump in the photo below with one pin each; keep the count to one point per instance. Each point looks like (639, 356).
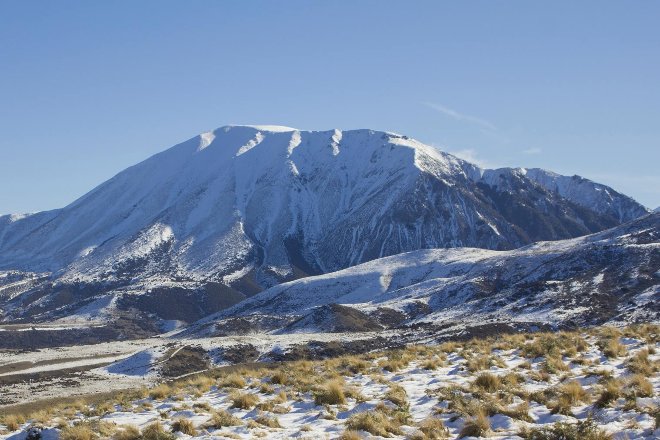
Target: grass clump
(397, 395)
(573, 392)
(612, 348)
(641, 364)
(270, 422)
(156, 431)
(332, 393)
(373, 422)
(244, 400)
(611, 393)
(279, 378)
(127, 432)
(639, 386)
(78, 432)
(232, 381)
(349, 435)
(432, 428)
(184, 426)
(582, 430)
(476, 426)
(161, 391)
(222, 418)
(488, 382)
(13, 421)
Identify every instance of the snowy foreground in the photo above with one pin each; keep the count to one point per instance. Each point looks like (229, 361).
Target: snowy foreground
(596, 384)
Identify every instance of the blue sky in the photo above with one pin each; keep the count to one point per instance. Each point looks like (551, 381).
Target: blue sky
(89, 88)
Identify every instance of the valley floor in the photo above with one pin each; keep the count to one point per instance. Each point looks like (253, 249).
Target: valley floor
(596, 384)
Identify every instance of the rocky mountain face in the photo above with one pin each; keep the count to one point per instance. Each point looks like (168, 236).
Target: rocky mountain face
(611, 276)
(218, 218)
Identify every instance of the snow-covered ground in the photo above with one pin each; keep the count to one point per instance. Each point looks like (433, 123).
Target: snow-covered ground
(501, 387)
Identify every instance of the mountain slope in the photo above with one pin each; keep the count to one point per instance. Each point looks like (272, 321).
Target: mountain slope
(609, 276)
(227, 213)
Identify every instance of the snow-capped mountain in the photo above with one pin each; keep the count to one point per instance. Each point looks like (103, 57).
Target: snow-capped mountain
(611, 276)
(230, 212)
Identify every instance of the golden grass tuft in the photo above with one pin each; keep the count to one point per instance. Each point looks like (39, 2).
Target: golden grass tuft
(641, 364)
(222, 418)
(476, 426)
(332, 393)
(639, 386)
(156, 431)
(161, 391)
(432, 428)
(611, 392)
(488, 382)
(78, 432)
(13, 422)
(127, 432)
(397, 395)
(270, 422)
(184, 426)
(349, 435)
(373, 422)
(233, 380)
(243, 400)
(612, 348)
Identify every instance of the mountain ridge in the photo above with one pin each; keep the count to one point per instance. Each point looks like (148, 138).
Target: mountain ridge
(242, 208)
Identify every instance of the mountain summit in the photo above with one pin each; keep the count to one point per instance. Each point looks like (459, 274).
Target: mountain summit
(243, 208)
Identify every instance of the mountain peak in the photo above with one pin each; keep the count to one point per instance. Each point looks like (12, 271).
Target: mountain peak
(247, 207)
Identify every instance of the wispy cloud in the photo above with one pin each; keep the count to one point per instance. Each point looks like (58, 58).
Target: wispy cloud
(461, 116)
(532, 151)
(473, 156)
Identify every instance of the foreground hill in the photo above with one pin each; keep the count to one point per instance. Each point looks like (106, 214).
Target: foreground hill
(597, 384)
(216, 219)
(611, 276)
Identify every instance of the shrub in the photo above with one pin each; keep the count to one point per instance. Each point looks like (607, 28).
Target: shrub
(185, 426)
(330, 394)
(488, 382)
(221, 418)
(244, 400)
